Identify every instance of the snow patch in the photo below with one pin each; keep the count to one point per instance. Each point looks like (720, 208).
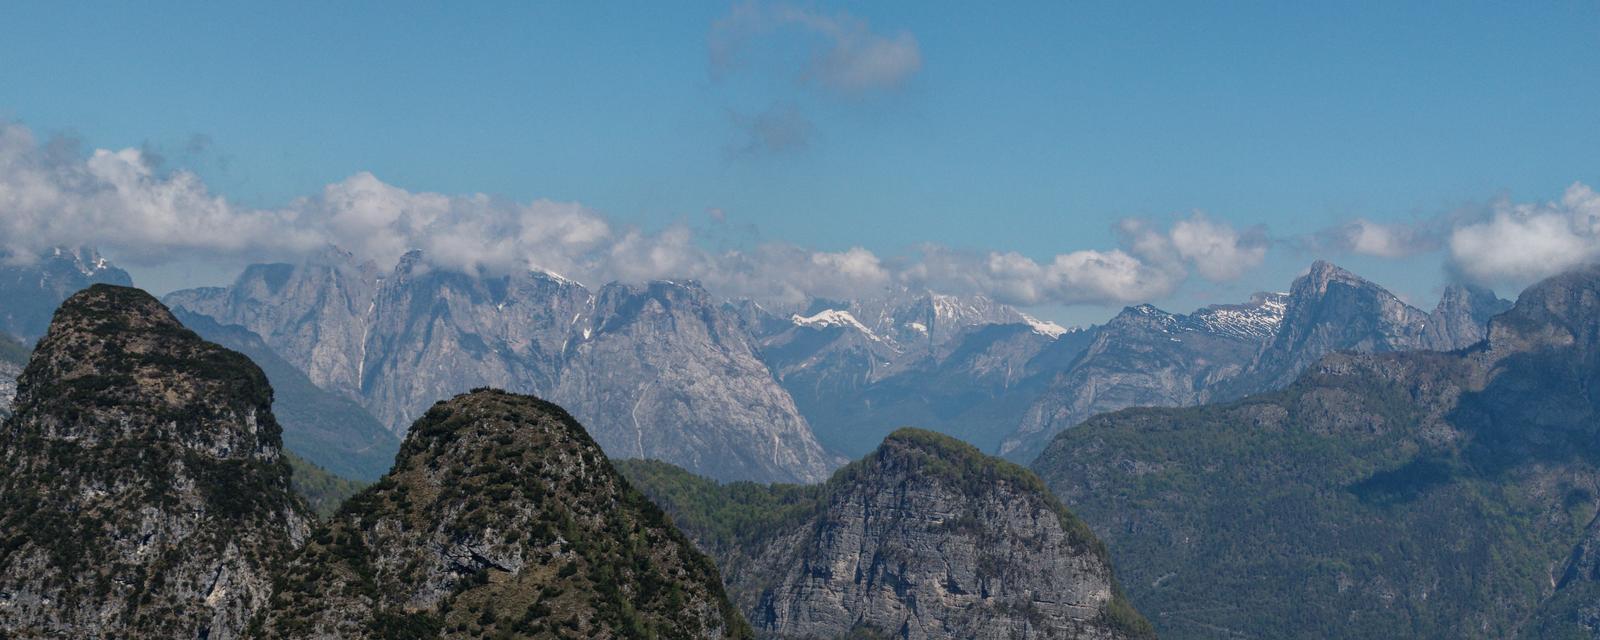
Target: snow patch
(833, 318)
(1044, 327)
(561, 279)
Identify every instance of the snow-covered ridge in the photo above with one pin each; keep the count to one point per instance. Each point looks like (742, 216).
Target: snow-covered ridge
(1258, 318)
(833, 318)
(1043, 327)
(558, 278)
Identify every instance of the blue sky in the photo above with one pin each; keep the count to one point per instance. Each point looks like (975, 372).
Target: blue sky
(1032, 128)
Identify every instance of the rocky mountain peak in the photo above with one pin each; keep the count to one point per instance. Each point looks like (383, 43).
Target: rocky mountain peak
(501, 518)
(925, 538)
(1143, 316)
(1558, 312)
(1330, 309)
(120, 348)
(32, 286)
(1462, 317)
(145, 493)
(1323, 273)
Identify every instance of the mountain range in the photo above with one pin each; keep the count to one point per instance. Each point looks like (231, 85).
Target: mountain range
(147, 495)
(1418, 494)
(1147, 357)
(732, 389)
(658, 370)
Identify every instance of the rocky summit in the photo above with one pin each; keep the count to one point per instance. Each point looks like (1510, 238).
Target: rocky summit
(925, 538)
(501, 518)
(144, 491)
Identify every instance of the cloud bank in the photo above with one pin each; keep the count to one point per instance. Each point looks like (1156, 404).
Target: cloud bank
(1519, 243)
(53, 194)
(1503, 243)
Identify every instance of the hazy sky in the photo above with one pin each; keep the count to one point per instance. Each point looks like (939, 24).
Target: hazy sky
(1069, 157)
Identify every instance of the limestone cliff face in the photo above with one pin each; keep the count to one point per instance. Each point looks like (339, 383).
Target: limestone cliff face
(1462, 317)
(658, 370)
(501, 518)
(663, 374)
(925, 538)
(144, 493)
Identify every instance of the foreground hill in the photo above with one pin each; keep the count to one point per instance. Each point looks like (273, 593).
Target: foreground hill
(1422, 494)
(501, 518)
(143, 492)
(924, 538)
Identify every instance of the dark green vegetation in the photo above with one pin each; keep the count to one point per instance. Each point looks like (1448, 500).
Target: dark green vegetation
(760, 533)
(141, 461)
(1402, 495)
(500, 518)
(333, 432)
(323, 491)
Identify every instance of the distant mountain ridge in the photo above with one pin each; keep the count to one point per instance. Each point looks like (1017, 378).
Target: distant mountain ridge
(1147, 357)
(656, 370)
(1434, 494)
(30, 290)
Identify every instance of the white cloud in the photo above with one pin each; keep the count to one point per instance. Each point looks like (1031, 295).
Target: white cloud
(50, 197)
(1216, 250)
(1383, 239)
(846, 56)
(116, 201)
(1524, 242)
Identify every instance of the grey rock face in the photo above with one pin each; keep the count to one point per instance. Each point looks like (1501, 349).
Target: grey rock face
(1330, 309)
(999, 564)
(144, 491)
(433, 334)
(1148, 357)
(314, 314)
(657, 371)
(331, 431)
(12, 358)
(661, 374)
(8, 386)
(925, 539)
(1462, 317)
(956, 365)
(30, 292)
(500, 519)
